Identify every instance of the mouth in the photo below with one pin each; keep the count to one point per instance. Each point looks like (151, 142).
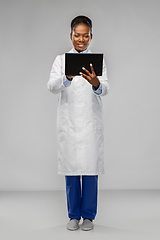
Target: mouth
(81, 45)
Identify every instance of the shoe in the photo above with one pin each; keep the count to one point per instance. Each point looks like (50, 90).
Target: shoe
(73, 224)
(87, 225)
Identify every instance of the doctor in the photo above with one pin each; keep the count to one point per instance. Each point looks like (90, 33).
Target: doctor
(79, 128)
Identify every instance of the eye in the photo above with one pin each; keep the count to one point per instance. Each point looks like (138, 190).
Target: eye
(86, 36)
(75, 35)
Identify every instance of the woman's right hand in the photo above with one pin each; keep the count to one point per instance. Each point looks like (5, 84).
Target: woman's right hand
(69, 77)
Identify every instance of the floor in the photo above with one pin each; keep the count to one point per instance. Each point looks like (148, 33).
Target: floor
(122, 214)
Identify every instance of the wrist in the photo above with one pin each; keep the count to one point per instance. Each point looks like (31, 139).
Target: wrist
(97, 86)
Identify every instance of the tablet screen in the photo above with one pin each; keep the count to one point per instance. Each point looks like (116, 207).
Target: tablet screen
(74, 63)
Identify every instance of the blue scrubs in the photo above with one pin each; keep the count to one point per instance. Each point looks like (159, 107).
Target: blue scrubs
(82, 200)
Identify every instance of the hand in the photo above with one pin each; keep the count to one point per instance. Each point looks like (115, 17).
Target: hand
(70, 77)
(91, 77)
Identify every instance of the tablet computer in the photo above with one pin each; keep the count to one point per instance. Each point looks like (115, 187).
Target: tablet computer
(75, 61)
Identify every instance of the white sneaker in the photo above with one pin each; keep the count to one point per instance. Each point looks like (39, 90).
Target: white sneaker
(73, 224)
(87, 225)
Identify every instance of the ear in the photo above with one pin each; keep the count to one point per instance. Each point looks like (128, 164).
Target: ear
(71, 36)
(91, 36)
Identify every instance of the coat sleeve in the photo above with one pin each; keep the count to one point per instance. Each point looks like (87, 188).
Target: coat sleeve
(104, 80)
(55, 83)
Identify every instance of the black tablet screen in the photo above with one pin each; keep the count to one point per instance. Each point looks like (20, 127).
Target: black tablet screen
(74, 63)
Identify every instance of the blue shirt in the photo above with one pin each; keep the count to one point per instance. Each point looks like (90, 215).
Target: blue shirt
(67, 82)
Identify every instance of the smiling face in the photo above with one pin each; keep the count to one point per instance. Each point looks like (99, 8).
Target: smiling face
(81, 37)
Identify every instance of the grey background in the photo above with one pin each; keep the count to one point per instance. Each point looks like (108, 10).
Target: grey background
(32, 34)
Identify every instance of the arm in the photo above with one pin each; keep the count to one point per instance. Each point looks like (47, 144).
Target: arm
(104, 80)
(99, 84)
(97, 91)
(67, 81)
(57, 80)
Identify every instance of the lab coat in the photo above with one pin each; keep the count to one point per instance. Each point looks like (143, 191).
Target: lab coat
(80, 129)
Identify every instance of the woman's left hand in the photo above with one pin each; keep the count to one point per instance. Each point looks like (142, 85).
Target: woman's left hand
(91, 77)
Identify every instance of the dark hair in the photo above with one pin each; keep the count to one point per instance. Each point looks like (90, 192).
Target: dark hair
(81, 19)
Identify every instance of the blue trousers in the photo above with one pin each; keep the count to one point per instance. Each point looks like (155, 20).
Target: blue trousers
(82, 196)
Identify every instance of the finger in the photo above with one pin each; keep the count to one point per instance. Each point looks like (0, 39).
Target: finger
(85, 76)
(92, 69)
(86, 70)
(69, 77)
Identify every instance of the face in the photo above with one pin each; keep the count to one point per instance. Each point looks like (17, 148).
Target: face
(81, 37)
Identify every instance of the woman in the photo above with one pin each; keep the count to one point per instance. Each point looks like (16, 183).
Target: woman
(79, 128)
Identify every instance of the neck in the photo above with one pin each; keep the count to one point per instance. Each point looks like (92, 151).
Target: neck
(80, 51)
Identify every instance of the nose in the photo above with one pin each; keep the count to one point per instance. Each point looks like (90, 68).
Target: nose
(81, 39)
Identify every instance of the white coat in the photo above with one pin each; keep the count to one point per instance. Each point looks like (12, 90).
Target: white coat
(80, 136)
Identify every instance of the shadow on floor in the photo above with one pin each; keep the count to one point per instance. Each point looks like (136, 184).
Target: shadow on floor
(101, 232)
(61, 232)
